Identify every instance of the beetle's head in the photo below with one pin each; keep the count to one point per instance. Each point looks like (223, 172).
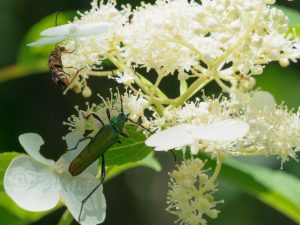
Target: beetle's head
(119, 122)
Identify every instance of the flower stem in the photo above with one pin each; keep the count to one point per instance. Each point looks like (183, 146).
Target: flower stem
(193, 89)
(66, 218)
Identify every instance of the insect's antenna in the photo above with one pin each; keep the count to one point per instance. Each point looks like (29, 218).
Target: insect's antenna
(121, 100)
(56, 17)
(132, 121)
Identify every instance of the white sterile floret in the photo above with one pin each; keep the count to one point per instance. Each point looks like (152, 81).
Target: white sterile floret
(134, 105)
(188, 134)
(59, 33)
(274, 130)
(37, 184)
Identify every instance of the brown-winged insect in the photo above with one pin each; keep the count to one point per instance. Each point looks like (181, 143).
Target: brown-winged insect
(59, 76)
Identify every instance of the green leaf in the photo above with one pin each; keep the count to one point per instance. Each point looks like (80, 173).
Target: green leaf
(293, 15)
(5, 159)
(277, 189)
(149, 162)
(132, 149)
(10, 213)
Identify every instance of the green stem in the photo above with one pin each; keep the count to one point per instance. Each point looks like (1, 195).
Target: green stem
(214, 176)
(193, 89)
(18, 70)
(66, 218)
(146, 89)
(102, 73)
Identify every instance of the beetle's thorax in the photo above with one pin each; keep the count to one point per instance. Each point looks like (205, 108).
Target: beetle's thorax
(118, 123)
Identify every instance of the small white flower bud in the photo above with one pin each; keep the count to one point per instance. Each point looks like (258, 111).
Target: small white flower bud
(284, 62)
(87, 92)
(182, 76)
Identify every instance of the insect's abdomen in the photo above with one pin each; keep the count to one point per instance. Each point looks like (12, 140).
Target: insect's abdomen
(105, 138)
(54, 61)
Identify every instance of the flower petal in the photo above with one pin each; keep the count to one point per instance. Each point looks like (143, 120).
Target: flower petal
(32, 143)
(72, 139)
(75, 189)
(177, 136)
(31, 184)
(226, 130)
(263, 100)
(59, 30)
(46, 41)
(91, 29)
(77, 30)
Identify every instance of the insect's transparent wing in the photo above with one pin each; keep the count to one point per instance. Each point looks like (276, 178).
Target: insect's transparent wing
(226, 130)
(46, 41)
(174, 137)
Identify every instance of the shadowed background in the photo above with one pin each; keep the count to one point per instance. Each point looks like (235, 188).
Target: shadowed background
(35, 104)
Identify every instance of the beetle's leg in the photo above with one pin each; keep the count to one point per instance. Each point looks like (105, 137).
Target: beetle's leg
(124, 134)
(80, 140)
(95, 116)
(174, 155)
(108, 114)
(95, 189)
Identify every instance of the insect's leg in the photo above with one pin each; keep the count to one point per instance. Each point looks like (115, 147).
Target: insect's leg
(108, 114)
(124, 134)
(95, 189)
(76, 74)
(70, 67)
(96, 117)
(174, 155)
(80, 140)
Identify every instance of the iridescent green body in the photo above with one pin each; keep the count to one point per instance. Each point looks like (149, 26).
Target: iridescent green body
(107, 136)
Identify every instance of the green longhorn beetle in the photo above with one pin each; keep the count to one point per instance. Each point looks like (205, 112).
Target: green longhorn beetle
(105, 138)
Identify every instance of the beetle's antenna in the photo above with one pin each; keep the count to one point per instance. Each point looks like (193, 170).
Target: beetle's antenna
(121, 100)
(132, 121)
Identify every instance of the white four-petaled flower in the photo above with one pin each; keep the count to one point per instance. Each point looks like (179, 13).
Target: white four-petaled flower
(37, 184)
(189, 135)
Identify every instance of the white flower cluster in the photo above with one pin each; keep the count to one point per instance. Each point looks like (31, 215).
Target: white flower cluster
(190, 196)
(133, 106)
(274, 130)
(223, 39)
